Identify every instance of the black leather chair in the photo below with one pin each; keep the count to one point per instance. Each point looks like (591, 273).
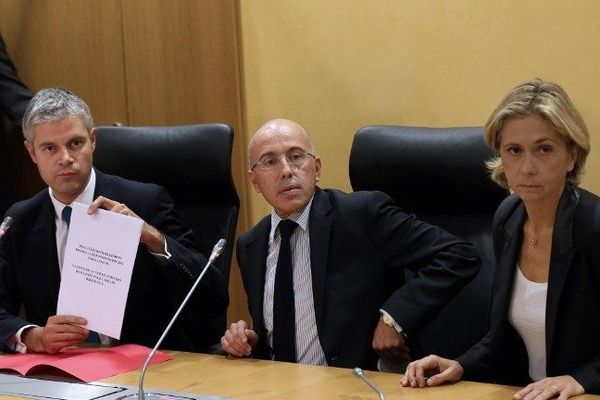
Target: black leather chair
(193, 162)
(438, 174)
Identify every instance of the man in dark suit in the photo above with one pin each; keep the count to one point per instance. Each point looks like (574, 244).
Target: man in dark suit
(60, 139)
(349, 252)
(14, 95)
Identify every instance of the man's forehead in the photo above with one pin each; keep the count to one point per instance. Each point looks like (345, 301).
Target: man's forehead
(277, 149)
(276, 138)
(61, 130)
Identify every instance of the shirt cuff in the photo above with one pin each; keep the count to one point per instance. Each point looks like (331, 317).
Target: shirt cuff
(162, 258)
(15, 343)
(397, 327)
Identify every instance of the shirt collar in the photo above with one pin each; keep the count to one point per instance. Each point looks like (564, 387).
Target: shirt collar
(85, 197)
(300, 217)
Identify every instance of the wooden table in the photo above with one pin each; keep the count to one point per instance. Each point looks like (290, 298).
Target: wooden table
(259, 379)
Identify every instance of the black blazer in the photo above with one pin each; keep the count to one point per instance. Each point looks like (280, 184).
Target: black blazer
(360, 244)
(573, 301)
(30, 277)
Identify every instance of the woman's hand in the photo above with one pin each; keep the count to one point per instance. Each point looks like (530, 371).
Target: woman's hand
(556, 387)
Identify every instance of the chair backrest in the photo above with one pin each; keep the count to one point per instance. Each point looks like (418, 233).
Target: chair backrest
(193, 162)
(438, 174)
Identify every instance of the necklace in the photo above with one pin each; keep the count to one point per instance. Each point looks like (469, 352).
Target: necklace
(533, 240)
(533, 237)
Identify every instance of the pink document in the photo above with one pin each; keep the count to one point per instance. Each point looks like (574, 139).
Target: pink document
(86, 364)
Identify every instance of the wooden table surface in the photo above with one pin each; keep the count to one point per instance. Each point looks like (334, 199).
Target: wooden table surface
(259, 379)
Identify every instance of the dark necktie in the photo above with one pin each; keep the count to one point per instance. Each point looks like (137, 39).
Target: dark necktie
(66, 214)
(284, 320)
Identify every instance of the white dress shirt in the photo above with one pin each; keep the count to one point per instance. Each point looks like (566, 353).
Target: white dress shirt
(308, 347)
(62, 228)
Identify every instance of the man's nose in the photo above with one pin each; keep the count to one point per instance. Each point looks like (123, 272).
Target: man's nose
(65, 156)
(286, 168)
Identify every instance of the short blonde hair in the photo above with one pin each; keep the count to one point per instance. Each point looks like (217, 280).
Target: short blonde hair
(550, 101)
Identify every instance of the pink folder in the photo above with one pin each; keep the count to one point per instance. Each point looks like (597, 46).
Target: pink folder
(85, 364)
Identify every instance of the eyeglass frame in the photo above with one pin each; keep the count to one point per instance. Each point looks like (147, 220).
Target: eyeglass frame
(291, 164)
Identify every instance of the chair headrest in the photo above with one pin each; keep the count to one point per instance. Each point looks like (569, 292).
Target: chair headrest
(426, 170)
(191, 161)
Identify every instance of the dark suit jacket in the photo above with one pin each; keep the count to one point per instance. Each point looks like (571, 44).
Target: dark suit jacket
(573, 300)
(360, 244)
(14, 95)
(30, 277)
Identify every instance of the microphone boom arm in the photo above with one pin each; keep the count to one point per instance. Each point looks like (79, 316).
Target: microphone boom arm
(215, 253)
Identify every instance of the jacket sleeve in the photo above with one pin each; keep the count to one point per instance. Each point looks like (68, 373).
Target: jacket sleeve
(475, 361)
(14, 95)
(443, 263)
(186, 262)
(10, 302)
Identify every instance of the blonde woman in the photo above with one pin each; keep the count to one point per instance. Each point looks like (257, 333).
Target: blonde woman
(545, 317)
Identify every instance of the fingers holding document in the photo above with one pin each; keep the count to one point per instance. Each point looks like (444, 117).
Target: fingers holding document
(110, 205)
(151, 237)
(60, 331)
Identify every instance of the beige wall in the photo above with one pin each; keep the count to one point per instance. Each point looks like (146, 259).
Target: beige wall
(336, 65)
(332, 65)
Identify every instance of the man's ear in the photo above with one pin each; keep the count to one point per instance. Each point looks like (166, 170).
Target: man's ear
(252, 177)
(29, 148)
(318, 168)
(93, 138)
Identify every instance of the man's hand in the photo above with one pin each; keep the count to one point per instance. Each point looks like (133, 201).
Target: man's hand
(555, 387)
(238, 340)
(60, 331)
(151, 237)
(443, 370)
(389, 344)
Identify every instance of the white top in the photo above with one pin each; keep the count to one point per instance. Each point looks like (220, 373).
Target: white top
(527, 314)
(308, 347)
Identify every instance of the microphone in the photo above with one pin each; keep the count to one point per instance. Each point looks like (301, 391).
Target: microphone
(5, 225)
(360, 374)
(140, 395)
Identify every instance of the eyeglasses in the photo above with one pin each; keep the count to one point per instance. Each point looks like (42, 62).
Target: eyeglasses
(270, 163)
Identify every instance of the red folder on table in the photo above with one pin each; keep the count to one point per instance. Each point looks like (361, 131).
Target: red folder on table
(85, 364)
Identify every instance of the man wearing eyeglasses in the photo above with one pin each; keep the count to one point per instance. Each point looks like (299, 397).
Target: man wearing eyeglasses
(324, 272)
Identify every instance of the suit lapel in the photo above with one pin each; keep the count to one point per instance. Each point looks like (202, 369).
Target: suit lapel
(511, 237)
(320, 229)
(256, 252)
(560, 259)
(102, 187)
(45, 259)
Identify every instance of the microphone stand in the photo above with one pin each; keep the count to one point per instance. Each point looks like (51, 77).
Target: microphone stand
(360, 374)
(5, 225)
(217, 250)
